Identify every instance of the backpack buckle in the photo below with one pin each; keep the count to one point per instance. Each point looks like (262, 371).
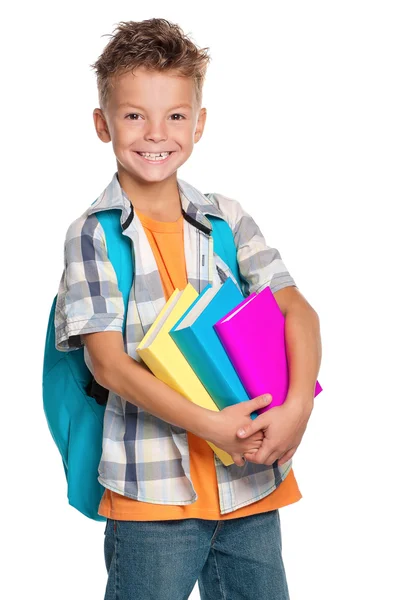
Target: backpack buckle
(97, 391)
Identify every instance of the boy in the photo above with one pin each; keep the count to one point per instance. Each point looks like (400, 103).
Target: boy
(175, 513)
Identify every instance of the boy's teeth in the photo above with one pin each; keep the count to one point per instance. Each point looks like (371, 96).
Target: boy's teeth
(154, 155)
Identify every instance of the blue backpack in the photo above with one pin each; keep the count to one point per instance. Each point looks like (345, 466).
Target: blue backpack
(73, 402)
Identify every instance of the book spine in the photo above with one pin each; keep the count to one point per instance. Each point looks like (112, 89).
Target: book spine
(194, 353)
(207, 369)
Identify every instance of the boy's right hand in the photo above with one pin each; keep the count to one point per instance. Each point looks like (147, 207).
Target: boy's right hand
(223, 426)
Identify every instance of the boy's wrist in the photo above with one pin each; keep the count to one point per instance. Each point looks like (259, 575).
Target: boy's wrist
(206, 426)
(301, 402)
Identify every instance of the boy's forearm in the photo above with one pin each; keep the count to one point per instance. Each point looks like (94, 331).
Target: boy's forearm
(303, 348)
(130, 380)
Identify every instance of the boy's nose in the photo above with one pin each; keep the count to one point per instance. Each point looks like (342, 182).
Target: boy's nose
(156, 132)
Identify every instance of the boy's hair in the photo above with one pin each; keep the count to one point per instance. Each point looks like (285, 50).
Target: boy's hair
(154, 44)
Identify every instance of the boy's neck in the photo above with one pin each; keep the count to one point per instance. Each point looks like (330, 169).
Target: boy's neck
(160, 200)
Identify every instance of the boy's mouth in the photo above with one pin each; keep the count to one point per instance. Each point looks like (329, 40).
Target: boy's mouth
(155, 156)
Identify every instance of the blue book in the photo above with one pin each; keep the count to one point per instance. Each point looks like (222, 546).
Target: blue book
(196, 338)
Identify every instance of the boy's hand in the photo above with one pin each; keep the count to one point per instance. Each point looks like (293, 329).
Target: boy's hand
(283, 427)
(225, 423)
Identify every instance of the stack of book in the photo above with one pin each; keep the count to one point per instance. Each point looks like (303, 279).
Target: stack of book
(218, 348)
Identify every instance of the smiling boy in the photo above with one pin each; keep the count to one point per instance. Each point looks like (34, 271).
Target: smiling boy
(175, 513)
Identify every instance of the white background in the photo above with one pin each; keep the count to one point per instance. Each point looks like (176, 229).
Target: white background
(305, 128)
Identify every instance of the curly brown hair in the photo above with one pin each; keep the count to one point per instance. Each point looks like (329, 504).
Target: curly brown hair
(154, 44)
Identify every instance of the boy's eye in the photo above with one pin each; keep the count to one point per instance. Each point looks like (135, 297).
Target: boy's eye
(137, 114)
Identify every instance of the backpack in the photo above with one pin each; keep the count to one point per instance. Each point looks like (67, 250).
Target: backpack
(74, 403)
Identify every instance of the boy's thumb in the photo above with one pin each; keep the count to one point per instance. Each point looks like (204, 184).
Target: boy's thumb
(261, 401)
(254, 404)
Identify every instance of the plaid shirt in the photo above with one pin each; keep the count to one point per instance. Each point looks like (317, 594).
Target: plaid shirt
(144, 457)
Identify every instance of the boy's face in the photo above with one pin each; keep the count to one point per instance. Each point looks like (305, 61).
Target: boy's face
(151, 112)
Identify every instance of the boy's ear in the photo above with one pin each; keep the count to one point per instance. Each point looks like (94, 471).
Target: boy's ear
(101, 125)
(200, 125)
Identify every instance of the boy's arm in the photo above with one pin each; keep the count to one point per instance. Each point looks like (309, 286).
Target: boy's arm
(284, 425)
(303, 345)
(117, 371)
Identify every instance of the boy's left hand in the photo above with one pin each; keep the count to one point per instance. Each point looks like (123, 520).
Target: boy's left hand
(283, 427)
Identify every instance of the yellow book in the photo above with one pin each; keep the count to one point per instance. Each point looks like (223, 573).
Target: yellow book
(163, 357)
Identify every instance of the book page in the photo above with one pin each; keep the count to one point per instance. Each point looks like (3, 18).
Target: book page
(238, 309)
(198, 307)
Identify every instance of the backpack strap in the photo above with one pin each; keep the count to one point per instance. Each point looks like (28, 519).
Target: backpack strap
(224, 245)
(119, 248)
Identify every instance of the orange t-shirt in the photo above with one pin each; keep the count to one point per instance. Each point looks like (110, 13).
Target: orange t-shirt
(166, 240)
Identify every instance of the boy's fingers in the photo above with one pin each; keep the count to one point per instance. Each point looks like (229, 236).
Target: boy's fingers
(256, 403)
(255, 424)
(248, 430)
(238, 460)
(262, 456)
(250, 453)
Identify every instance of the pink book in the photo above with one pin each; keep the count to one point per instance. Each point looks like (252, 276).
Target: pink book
(253, 335)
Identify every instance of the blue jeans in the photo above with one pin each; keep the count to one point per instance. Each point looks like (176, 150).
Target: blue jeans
(238, 559)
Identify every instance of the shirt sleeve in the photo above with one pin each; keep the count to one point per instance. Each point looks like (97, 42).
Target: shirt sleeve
(260, 265)
(88, 298)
